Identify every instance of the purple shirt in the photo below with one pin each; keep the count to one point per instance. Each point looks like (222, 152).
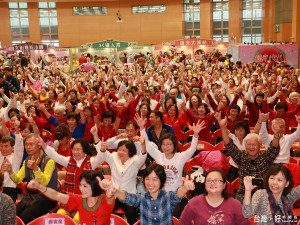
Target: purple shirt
(228, 213)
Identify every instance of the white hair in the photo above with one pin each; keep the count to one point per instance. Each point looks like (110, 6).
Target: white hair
(60, 108)
(293, 94)
(253, 135)
(121, 101)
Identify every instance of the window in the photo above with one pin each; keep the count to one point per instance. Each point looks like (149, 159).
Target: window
(251, 21)
(220, 20)
(191, 18)
(148, 9)
(48, 23)
(19, 24)
(88, 11)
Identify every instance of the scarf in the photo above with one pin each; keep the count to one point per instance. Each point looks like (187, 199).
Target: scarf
(277, 214)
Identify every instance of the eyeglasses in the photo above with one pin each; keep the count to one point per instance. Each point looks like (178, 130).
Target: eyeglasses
(216, 181)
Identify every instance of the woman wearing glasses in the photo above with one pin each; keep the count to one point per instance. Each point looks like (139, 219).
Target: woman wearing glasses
(216, 206)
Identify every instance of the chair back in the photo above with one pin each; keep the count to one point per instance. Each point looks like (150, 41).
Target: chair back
(53, 218)
(19, 221)
(117, 220)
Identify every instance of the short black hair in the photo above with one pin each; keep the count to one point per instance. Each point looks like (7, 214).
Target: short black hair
(176, 109)
(242, 124)
(12, 110)
(90, 177)
(133, 123)
(236, 107)
(107, 114)
(281, 105)
(130, 146)
(158, 114)
(74, 116)
(148, 107)
(158, 170)
(205, 106)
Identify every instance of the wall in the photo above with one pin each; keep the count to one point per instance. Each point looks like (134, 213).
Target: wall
(143, 28)
(5, 32)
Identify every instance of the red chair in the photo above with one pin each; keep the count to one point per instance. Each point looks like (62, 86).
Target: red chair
(203, 145)
(220, 147)
(19, 221)
(47, 135)
(296, 145)
(252, 220)
(22, 186)
(189, 164)
(216, 134)
(234, 186)
(55, 217)
(228, 186)
(175, 221)
(187, 134)
(180, 146)
(295, 160)
(186, 147)
(117, 220)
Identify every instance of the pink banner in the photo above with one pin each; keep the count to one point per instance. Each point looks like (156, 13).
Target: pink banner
(276, 52)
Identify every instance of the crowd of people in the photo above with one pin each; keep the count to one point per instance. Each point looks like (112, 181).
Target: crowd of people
(63, 133)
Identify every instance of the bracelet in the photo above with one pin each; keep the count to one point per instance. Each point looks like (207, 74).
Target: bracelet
(45, 190)
(97, 143)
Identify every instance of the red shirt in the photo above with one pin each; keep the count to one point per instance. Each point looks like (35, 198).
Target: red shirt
(177, 124)
(101, 213)
(87, 133)
(111, 132)
(82, 60)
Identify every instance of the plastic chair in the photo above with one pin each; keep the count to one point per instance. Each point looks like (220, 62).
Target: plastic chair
(216, 134)
(234, 185)
(295, 160)
(117, 220)
(189, 164)
(187, 134)
(220, 147)
(252, 220)
(54, 216)
(19, 221)
(46, 135)
(203, 145)
(180, 146)
(22, 186)
(175, 221)
(296, 145)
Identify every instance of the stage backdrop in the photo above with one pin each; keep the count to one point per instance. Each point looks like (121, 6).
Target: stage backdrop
(260, 53)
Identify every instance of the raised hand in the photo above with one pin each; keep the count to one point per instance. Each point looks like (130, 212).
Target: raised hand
(248, 183)
(263, 117)
(142, 140)
(94, 130)
(223, 123)
(140, 121)
(103, 145)
(199, 126)
(218, 116)
(104, 184)
(189, 184)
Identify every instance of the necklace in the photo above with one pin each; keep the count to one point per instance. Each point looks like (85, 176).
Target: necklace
(84, 201)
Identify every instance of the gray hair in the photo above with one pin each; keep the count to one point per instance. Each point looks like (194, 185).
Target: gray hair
(253, 135)
(60, 109)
